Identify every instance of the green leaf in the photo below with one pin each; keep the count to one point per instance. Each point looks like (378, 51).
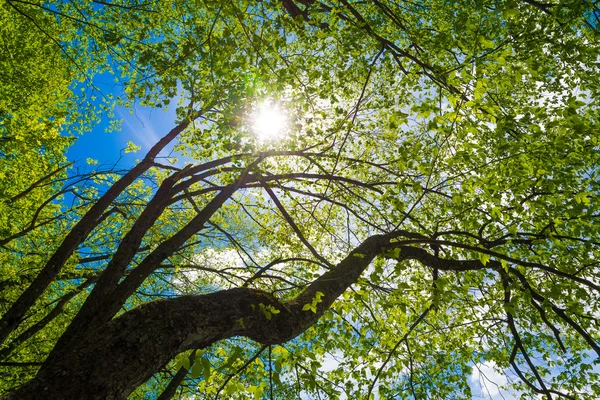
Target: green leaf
(231, 389)
(484, 258)
(205, 368)
(196, 370)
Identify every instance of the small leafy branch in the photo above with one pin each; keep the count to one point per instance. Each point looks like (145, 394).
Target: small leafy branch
(268, 311)
(312, 306)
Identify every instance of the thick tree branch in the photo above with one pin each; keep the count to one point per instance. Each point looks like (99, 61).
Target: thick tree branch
(130, 348)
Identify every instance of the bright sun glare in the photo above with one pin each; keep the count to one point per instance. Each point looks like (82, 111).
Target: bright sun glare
(269, 122)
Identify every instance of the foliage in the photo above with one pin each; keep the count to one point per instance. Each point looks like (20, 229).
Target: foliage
(34, 81)
(431, 208)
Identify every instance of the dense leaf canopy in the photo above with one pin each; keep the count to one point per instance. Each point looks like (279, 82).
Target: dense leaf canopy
(429, 209)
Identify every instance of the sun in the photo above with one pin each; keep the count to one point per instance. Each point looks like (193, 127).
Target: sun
(269, 121)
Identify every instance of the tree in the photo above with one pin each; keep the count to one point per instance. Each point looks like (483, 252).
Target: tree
(432, 206)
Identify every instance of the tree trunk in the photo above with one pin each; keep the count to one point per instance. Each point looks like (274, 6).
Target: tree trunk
(112, 361)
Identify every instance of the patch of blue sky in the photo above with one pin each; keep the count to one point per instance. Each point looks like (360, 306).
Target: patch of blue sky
(143, 126)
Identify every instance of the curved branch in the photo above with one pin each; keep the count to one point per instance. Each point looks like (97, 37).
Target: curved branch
(129, 349)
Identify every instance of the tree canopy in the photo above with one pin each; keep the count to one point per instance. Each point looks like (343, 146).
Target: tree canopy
(424, 205)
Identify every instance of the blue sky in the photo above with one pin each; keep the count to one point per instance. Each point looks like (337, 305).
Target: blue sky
(144, 126)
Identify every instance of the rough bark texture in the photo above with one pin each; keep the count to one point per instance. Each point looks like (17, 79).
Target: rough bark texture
(110, 362)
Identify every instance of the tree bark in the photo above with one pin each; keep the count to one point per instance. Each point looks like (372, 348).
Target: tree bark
(113, 360)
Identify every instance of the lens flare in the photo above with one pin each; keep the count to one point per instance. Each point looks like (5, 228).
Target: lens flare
(269, 122)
